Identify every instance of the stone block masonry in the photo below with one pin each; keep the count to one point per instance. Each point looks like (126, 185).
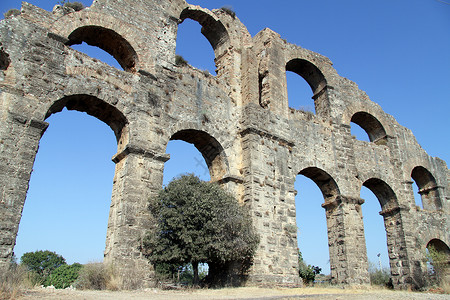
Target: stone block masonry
(240, 120)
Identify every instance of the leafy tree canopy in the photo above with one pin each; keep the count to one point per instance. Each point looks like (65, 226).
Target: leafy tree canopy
(198, 222)
(42, 262)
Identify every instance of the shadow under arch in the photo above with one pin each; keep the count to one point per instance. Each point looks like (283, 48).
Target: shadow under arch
(211, 150)
(214, 31)
(95, 107)
(371, 126)
(109, 41)
(323, 180)
(428, 188)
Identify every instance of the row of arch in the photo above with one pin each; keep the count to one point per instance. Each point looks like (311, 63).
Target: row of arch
(216, 161)
(217, 35)
(215, 158)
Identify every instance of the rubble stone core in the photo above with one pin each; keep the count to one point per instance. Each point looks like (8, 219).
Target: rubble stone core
(240, 120)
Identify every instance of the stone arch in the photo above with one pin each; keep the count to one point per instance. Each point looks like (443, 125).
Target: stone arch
(108, 40)
(309, 72)
(428, 188)
(323, 180)
(315, 79)
(383, 192)
(212, 28)
(372, 126)
(442, 266)
(214, 31)
(393, 223)
(96, 108)
(211, 150)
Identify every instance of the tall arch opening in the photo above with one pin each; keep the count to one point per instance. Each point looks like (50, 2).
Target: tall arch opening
(362, 121)
(214, 32)
(375, 236)
(109, 41)
(69, 197)
(197, 152)
(298, 90)
(194, 48)
(438, 255)
(394, 237)
(427, 188)
(314, 186)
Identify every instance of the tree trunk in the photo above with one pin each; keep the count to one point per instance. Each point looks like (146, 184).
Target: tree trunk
(195, 269)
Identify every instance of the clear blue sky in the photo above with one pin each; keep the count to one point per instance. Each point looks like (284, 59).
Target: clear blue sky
(396, 51)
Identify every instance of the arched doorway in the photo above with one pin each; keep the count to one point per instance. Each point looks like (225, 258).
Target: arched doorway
(313, 224)
(68, 203)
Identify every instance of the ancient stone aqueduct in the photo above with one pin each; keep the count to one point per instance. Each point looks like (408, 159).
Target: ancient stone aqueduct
(252, 142)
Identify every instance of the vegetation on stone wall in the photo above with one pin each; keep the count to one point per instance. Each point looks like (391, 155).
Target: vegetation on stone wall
(229, 10)
(198, 222)
(12, 12)
(76, 6)
(180, 61)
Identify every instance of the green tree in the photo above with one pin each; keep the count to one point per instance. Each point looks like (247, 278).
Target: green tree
(198, 222)
(307, 272)
(42, 262)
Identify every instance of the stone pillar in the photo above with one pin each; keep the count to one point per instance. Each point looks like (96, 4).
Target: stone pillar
(346, 241)
(19, 140)
(272, 207)
(138, 176)
(399, 262)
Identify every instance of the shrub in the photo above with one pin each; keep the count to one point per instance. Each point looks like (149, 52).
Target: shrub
(76, 6)
(12, 12)
(93, 276)
(180, 61)
(307, 272)
(379, 277)
(229, 10)
(63, 276)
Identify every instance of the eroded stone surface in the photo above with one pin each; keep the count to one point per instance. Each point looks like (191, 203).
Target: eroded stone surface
(253, 143)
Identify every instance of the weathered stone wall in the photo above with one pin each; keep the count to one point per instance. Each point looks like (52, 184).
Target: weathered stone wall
(240, 120)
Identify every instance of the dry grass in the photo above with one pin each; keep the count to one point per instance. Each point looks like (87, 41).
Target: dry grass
(14, 281)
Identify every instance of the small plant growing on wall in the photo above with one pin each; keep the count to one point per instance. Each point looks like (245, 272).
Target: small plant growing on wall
(229, 11)
(76, 6)
(180, 61)
(12, 12)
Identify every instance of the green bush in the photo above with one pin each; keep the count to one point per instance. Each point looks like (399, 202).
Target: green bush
(307, 272)
(63, 276)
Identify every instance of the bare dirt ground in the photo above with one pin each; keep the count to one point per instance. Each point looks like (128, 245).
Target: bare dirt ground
(235, 293)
